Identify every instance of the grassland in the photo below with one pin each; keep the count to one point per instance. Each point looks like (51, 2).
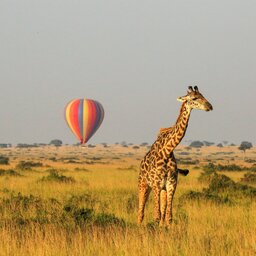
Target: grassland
(83, 201)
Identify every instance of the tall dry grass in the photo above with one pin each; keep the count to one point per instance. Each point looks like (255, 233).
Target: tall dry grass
(48, 217)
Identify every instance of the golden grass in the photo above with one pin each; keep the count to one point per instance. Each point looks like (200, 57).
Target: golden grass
(110, 176)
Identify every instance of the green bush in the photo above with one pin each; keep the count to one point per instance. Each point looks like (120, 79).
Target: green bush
(9, 172)
(222, 183)
(28, 165)
(249, 177)
(4, 160)
(206, 175)
(24, 209)
(83, 216)
(55, 176)
(81, 201)
(103, 219)
(221, 188)
(220, 167)
(205, 196)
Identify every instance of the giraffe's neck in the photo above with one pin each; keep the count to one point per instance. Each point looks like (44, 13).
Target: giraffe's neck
(178, 131)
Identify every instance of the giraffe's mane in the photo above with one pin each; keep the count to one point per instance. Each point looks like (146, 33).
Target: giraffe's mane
(181, 110)
(164, 131)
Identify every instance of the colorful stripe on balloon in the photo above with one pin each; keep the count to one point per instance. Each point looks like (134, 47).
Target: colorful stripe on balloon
(84, 117)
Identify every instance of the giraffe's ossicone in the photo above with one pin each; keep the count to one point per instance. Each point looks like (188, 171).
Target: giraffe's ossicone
(158, 169)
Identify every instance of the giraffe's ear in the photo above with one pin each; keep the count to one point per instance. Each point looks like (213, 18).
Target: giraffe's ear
(181, 99)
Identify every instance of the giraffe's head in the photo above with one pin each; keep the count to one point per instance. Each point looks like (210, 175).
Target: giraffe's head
(194, 99)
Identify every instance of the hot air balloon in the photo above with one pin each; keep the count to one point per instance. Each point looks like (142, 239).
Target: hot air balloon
(84, 117)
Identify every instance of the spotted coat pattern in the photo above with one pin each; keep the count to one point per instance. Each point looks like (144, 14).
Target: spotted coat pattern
(158, 169)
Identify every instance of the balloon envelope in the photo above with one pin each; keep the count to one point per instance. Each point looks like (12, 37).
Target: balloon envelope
(84, 117)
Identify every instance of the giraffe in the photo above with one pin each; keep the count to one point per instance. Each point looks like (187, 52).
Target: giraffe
(158, 169)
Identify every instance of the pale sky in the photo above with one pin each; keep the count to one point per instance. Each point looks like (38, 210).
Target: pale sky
(136, 58)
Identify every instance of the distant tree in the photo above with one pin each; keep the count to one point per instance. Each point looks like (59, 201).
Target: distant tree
(220, 145)
(24, 145)
(144, 144)
(207, 143)
(135, 147)
(245, 145)
(124, 144)
(40, 144)
(196, 144)
(56, 143)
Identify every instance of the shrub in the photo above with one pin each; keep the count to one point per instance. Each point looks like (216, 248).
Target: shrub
(104, 219)
(183, 153)
(206, 175)
(9, 172)
(4, 160)
(78, 201)
(249, 177)
(28, 165)
(196, 144)
(205, 196)
(251, 161)
(220, 189)
(83, 215)
(55, 176)
(187, 161)
(21, 209)
(220, 167)
(87, 216)
(222, 183)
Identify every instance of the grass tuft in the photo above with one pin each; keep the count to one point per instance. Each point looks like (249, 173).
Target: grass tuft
(55, 176)
(249, 177)
(28, 165)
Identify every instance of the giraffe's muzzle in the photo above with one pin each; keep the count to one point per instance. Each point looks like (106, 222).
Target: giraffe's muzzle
(208, 107)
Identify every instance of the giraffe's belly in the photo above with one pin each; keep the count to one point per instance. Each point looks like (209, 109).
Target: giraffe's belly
(157, 180)
(163, 183)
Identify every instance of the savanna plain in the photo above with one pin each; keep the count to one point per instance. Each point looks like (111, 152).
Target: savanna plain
(74, 200)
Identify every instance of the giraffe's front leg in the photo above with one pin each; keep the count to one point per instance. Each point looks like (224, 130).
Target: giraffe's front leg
(144, 191)
(170, 188)
(157, 212)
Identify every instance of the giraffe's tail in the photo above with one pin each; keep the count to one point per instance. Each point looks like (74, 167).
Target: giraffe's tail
(183, 172)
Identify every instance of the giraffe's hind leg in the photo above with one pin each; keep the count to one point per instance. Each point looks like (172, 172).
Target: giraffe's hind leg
(171, 187)
(163, 204)
(144, 191)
